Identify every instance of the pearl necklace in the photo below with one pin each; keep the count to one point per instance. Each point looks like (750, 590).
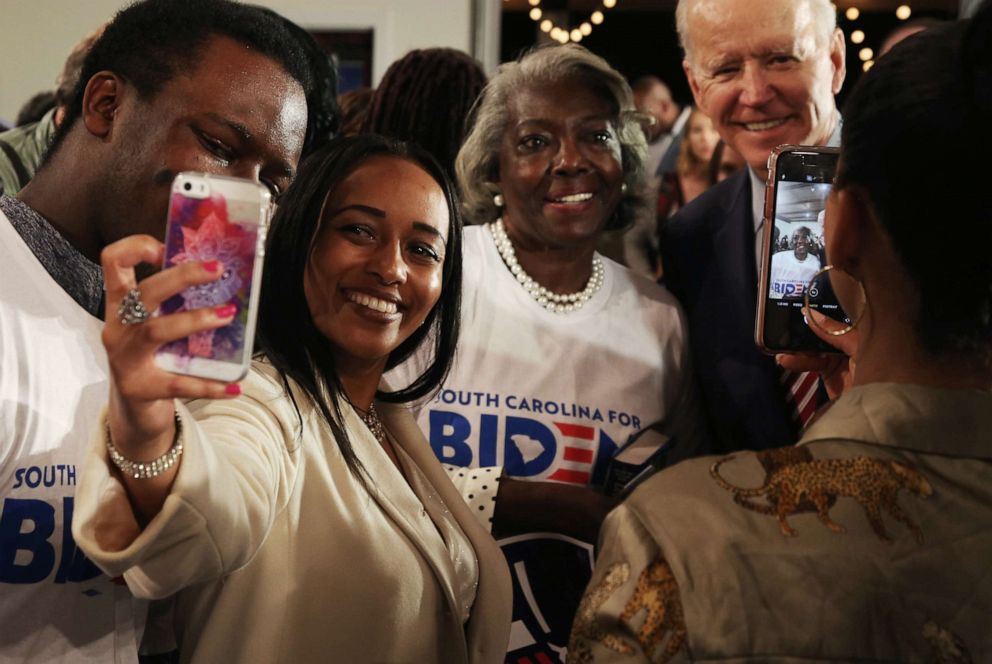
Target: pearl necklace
(554, 302)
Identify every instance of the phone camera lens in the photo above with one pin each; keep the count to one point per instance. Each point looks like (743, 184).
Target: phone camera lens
(187, 186)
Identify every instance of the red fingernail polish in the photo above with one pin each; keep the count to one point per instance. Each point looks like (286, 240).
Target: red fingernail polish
(226, 310)
(211, 266)
(233, 389)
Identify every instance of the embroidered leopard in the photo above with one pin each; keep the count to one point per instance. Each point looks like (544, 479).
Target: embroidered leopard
(585, 628)
(874, 483)
(657, 593)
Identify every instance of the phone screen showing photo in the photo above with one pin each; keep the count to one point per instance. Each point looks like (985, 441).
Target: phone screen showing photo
(798, 252)
(213, 228)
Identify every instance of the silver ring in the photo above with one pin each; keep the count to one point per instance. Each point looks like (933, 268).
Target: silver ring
(132, 310)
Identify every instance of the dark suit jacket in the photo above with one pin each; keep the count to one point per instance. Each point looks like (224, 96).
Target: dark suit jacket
(708, 262)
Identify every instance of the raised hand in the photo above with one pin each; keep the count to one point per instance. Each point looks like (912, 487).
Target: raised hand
(836, 371)
(141, 411)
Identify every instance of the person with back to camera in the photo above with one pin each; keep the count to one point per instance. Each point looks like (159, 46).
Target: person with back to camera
(563, 354)
(766, 73)
(870, 539)
(425, 98)
(305, 519)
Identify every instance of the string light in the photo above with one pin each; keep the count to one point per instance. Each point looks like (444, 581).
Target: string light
(867, 64)
(852, 13)
(866, 54)
(903, 12)
(857, 36)
(563, 35)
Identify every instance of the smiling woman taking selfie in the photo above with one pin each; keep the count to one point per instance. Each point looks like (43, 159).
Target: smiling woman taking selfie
(564, 354)
(305, 519)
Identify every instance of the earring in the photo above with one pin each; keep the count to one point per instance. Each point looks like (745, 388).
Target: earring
(813, 291)
(498, 200)
(623, 188)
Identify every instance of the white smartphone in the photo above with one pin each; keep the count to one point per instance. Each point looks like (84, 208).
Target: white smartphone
(212, 217)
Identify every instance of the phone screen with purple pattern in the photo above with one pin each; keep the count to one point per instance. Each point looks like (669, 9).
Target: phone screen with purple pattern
(212, 229)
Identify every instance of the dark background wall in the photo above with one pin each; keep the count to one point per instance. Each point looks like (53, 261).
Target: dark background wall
(644, 42)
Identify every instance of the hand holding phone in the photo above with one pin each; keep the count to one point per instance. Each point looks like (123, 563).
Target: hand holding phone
(141, 410)
(836, 370)
(215, 218)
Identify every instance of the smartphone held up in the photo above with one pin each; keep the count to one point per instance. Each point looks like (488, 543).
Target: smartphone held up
(794, 264)
(224, 219)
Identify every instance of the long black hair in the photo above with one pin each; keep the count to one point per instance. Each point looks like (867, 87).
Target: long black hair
(286, 334)
(424, 97)
(912, 125)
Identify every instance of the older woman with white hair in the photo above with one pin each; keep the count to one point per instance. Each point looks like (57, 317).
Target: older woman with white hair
(564, 355)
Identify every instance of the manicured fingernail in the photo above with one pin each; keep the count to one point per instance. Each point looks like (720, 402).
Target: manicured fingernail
(226, 311)
(211, 266)
(233, 389)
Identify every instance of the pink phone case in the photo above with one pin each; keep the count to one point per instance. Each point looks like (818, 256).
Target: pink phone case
(224, 219)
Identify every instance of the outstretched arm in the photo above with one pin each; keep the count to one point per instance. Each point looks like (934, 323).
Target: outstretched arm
(141, 422)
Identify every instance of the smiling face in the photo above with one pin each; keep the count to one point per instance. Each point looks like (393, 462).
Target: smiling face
(765, 73)
(237, 113)
(800, 243)
(375, 270)
(559, 166)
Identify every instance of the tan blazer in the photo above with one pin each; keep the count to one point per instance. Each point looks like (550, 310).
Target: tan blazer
(276, 552)
(869, 541)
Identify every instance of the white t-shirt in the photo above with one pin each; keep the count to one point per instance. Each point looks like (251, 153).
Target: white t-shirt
(551, 396)
(55, 605)
(790, 276)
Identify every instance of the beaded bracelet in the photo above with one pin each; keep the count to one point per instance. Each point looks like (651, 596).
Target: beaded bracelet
(148, 469)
